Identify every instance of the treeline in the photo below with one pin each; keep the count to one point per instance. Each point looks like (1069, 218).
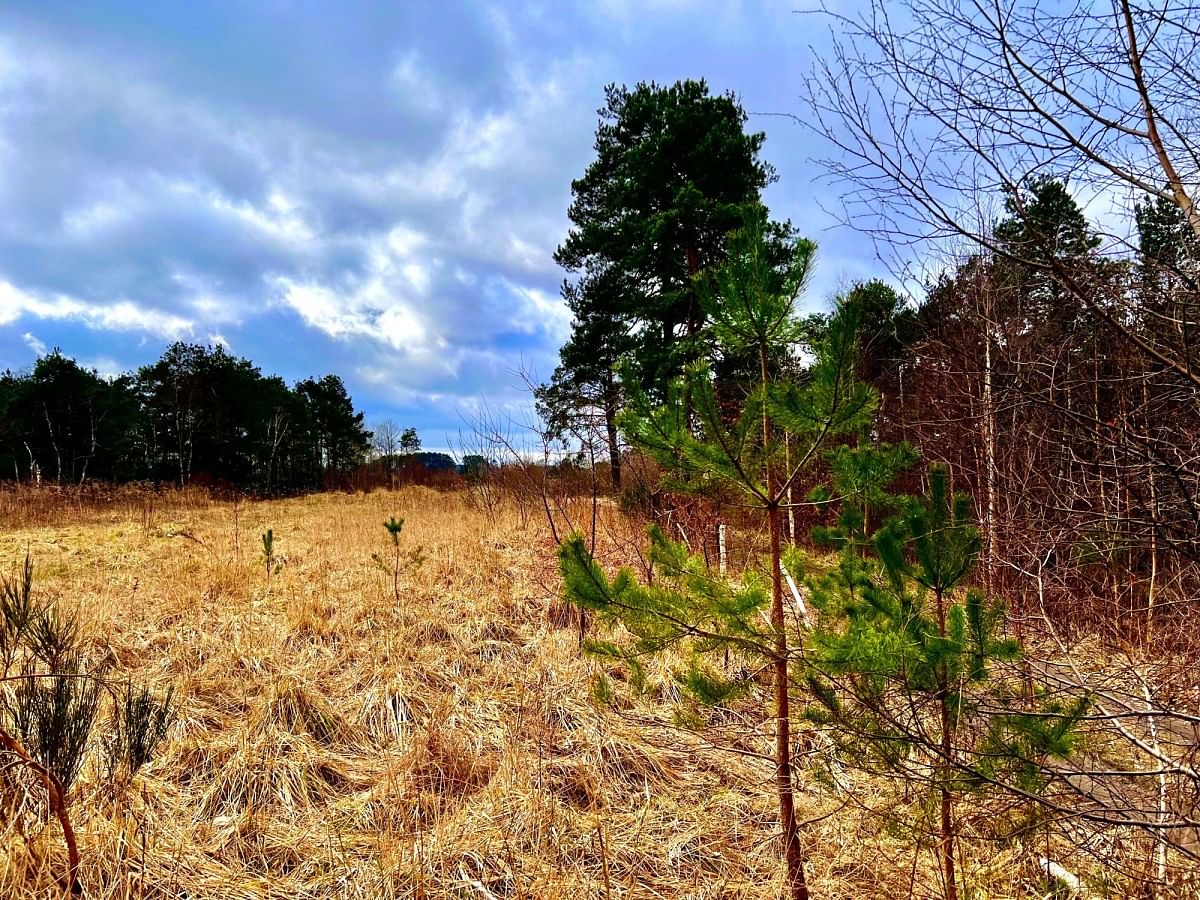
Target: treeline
(197, 415)
(1076, 443)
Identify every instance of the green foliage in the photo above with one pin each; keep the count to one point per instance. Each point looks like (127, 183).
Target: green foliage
(55, 697)
(67, 422)
(394, 526)
(1016, 742)
(400, 560)
(271, 564)
(750, 299)
(53, 703)
(335, 439)
(707, 685)
(860, 477)
(196, 413)
(141, 721)
(410, 441)
(673, 174)
(907, 663)
(1046, 223)
(704, 446)
(52, 637)
(750, 302)
(674, 169)
(889, 327)
(18, 611)
(474, 467)
(686, 607)
(1044, 238)
(944, 539)
(52, 716)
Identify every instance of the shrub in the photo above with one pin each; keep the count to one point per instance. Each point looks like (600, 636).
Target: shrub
(140, 722)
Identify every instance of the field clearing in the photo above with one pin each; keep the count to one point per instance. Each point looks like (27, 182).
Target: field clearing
(333, 742)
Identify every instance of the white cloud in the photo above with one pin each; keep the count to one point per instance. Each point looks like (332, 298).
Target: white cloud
(540, 310)
(319, 307)
(279, 220)
(408, 212)
(121, 316)
(105, 366)
(31, 341)
(93, 219)
(417, 86)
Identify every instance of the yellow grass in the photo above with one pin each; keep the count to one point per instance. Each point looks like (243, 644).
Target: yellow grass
(332, 742)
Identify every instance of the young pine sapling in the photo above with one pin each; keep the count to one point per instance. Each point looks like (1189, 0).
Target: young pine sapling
(707, 442)
(903, 659)
(140, 723)
(399, 560)
(271, 563)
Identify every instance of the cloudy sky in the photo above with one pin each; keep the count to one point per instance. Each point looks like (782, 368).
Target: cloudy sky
(369, 189)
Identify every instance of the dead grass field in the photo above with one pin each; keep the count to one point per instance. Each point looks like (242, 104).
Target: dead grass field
(333, 742)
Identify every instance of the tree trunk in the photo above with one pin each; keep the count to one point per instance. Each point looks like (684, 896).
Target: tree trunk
(947, 818)
(988, 422)
(791, 504)
(92, 445)
(947, 836)
(1152, 590)
(54, 446)
(793, 853)
(614, 446)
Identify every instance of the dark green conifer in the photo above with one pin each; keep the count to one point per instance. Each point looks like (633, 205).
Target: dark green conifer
(906, 659)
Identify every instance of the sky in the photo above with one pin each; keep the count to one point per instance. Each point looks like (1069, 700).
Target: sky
(369, 189)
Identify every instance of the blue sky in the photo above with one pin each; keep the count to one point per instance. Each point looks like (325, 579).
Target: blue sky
(369, 189)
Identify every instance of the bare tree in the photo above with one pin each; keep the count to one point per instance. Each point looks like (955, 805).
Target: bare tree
(385, 440)
(932, 104)
(1081, 439)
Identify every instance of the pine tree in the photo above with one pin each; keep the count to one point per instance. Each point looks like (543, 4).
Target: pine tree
(904, 656)
(674, 167)
(751, 308)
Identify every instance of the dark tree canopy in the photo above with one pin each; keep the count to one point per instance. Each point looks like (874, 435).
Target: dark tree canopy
(66, 421)
(674, 173)
(195, 414)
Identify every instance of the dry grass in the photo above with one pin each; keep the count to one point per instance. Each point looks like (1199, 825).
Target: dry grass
(334, 743)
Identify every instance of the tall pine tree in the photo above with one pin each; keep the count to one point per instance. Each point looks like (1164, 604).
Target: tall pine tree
(674, 168)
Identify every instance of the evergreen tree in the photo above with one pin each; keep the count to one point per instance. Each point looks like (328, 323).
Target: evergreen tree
(903, 657)
(584, 394)
(336, 439)
(174, 392)
(1168, 267)
(196, 413)
(889, 327)
(1045, 238)
(674, 168)
(66, 423)
(12, 463)
(410, 441)
(752, 311)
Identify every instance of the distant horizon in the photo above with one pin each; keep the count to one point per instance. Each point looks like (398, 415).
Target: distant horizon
(112, 375)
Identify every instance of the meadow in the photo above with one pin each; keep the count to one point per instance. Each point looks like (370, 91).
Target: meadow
(332, 741)
(341, 736)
